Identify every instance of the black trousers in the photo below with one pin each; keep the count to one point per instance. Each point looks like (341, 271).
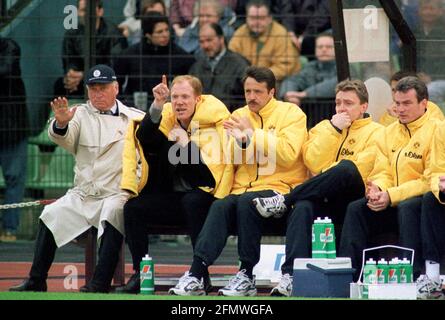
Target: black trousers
(233, 213)
(45, 249)
(361, 223)
(432, 226)
(170, 208)
(327, 194)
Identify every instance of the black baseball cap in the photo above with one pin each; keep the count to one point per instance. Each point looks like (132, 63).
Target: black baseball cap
(100, 73)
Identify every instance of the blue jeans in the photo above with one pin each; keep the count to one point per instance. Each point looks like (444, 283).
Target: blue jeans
(13, 159)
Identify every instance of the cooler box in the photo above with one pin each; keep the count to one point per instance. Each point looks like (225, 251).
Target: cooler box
(322, 277)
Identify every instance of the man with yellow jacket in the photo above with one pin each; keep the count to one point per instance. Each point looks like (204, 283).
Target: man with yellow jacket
(340, 153)
(399, 179)
(432, 221)
(265, 149)
(179, 147)
(390, 116)
(265, 42)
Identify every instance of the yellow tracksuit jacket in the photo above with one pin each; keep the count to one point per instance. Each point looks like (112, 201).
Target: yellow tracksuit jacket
(403, 162)
(437, 164)
(326, 147)
(280, 131)
(273, 50)
(205, 130)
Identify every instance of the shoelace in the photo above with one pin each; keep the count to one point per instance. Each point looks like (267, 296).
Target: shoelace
(187, 278)
(286, 280)
(236, 280)
(427, 284)
(275, 201)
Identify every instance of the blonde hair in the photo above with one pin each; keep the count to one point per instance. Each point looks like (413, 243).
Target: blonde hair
(194, 82)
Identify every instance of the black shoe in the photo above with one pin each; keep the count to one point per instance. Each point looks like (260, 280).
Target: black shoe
(30, 285)
(90, 288)
(133, 285)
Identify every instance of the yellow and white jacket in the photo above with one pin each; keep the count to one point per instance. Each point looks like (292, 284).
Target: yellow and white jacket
(205, 130)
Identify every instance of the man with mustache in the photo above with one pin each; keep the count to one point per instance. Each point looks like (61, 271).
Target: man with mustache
(266, 137)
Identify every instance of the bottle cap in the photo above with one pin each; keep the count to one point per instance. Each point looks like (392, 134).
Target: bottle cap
(318, 220)
(370, 261)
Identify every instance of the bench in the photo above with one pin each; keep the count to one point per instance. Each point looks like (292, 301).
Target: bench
(277, 227)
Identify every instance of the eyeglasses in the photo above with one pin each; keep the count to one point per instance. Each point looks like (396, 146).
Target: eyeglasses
(327, 46)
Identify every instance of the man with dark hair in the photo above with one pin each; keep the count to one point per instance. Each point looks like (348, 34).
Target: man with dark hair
(265, 42)
(108, 41)
(317, 78)
(220, 69)
(94, 133)
(266, 137)
(390, 116)
(340, 153)
(140, 67)
(398, 180)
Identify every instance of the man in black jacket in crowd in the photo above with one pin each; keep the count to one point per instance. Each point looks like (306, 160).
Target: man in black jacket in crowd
(220, 69)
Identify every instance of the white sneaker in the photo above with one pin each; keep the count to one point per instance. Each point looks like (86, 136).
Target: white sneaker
(239, 286)
(188, 286)
(284, 287)
(271, 206)
(429, 289)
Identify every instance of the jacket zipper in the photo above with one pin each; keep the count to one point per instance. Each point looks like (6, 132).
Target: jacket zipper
(257, 163)
(397, 159)
(343, 142)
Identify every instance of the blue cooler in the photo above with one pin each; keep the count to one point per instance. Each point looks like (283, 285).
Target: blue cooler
(318, 282)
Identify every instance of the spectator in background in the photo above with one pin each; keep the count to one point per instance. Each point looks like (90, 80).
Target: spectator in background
(305, 19)
(206, 11)
(219, 69)
(108, 39)
(265, 43)
(317, 78)
(430, 40)
(390, 116)
(14, 131)
(181, 13)
(140, 66)
(131, 26)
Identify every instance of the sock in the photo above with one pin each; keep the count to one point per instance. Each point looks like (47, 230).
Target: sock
(199, 268)
(249, 269)
(432, 270)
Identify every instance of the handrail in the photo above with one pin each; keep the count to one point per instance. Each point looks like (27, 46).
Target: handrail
(9, 14)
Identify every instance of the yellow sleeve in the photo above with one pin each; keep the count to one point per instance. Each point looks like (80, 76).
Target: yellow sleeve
(321, 148)
(437, 163)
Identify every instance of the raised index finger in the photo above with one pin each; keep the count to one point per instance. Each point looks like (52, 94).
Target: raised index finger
(164, 79)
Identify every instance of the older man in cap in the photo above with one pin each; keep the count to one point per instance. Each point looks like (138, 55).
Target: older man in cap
(94, 133)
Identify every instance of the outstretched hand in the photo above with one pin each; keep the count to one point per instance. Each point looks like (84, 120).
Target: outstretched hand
(62, 112)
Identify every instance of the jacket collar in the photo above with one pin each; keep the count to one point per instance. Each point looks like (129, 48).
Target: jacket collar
(416, 124)
(359, 123)
(267, 110)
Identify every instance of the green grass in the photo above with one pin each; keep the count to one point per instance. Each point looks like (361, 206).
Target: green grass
(96, 296)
